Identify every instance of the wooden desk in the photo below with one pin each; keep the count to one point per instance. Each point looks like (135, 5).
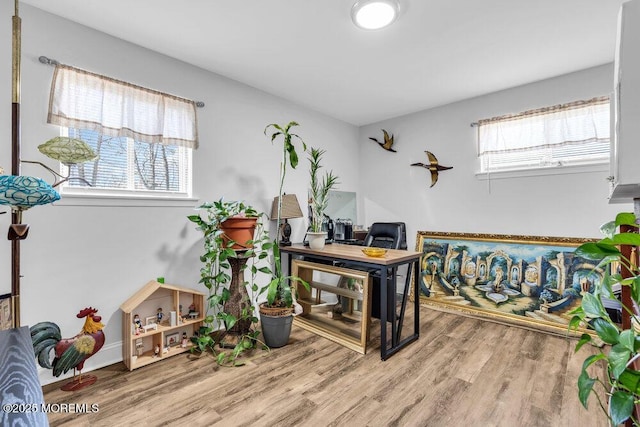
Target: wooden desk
(337, 253)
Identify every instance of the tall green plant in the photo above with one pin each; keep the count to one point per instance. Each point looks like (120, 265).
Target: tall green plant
(622, 383)
(214, 275)
(279, 288)
(320, 188)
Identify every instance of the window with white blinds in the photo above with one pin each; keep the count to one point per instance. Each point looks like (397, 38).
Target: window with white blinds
(124, 165)
(143, 138)
(562, 135)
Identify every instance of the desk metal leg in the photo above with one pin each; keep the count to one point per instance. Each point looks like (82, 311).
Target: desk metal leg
(397, 321)
(416, 299)
(383, 313)
(405, 296)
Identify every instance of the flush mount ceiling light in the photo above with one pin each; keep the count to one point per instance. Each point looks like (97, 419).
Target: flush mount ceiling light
(374, 14)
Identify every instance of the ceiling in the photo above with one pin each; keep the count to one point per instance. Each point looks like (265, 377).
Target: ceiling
(309, 51)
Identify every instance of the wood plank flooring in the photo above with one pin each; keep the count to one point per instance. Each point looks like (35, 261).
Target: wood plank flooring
(461, 372)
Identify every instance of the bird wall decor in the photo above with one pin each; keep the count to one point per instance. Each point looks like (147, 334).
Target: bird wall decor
(433, 167)
(70, 353)
(388, 141)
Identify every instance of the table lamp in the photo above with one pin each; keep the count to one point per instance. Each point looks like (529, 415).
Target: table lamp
(290, 209)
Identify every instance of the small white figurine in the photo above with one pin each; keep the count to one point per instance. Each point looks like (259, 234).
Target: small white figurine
(137, 323)
(185, 340)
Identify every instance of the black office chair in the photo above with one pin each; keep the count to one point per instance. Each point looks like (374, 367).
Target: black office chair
(388, 235)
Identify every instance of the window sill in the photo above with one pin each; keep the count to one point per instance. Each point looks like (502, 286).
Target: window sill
(552, 170)
(124, 201)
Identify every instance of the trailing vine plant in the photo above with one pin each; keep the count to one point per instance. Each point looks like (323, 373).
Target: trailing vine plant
(621, 384)
(215, 276)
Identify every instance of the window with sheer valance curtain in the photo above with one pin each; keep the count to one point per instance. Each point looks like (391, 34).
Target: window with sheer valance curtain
(576, 133)
(143, 137)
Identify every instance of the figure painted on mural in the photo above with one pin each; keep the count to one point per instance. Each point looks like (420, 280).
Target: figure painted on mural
(497, 283)
(434, 270)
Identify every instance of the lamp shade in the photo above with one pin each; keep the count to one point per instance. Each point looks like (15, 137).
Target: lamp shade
(68, 151)
(25, 191)
(290, 207)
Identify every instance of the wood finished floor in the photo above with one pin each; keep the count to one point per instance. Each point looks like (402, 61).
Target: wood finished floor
(461, 372)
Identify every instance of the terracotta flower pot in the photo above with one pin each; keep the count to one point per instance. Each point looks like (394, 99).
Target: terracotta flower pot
(240, 230)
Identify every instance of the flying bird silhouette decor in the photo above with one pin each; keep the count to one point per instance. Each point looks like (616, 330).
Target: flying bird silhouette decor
(433, 167)
(388, 141)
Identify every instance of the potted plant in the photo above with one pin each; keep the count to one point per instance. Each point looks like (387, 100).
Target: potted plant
(276, 313)
(231, 300)
(319, 198)
(622, 382)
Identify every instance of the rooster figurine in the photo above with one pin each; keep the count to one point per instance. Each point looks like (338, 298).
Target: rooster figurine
(69, 352)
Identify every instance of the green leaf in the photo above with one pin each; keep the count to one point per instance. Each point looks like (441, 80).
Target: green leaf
(606, 331)
(230, 321)
(195, 218)
(632, 239)
(635, 288)
(592, 359)
(585, 338)
(627, 339)
(608, 228)
(606, 289)
(585, 385)
(592, 306)
(577, 312)
(626, 218)
(272, 290)
(596, 250)
(293, 156)
(620, 407)
(216, 299)
(630, 379)
(221, 358)
(618, 358)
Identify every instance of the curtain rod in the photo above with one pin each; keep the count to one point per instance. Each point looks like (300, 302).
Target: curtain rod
(53, 62)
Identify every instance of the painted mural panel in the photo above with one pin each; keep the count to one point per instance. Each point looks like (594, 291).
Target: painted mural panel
(527, 280)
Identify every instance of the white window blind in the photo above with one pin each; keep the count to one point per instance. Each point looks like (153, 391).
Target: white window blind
(84, 100)
(566, 134)
(143, 138)
(127, 166)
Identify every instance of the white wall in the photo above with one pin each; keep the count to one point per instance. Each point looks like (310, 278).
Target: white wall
(568, 205)
(78, 256)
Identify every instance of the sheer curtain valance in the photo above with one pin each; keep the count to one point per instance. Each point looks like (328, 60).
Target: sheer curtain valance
(579, 122)
(85, 100)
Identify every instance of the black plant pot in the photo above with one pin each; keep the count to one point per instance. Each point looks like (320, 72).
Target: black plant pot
(276, 329)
